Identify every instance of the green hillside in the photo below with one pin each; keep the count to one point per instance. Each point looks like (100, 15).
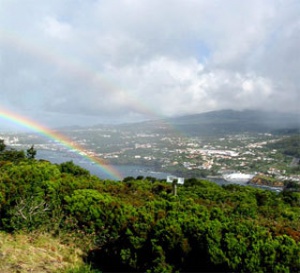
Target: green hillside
(288, 146)
(138, 225)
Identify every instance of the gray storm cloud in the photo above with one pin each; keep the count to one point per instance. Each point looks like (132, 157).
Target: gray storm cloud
(116, 61)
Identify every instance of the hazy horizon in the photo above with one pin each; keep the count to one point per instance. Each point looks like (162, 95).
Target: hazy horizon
(278, 119)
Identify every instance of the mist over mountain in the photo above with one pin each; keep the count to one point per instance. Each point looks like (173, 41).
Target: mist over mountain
(221, 122)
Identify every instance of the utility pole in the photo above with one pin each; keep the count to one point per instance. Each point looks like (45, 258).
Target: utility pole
(174, 184)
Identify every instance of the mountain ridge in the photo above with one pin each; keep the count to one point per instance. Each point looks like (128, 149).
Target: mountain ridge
(223, 122)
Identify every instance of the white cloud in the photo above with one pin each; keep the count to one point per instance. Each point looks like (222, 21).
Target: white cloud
(56, 29)
(124, 59)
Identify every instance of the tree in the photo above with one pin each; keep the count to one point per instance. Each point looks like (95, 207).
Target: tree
(12, 155)
(70, 167)
(31, 152)
(2, 145)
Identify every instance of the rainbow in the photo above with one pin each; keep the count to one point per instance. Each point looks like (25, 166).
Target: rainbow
(86, 74)
(83, 72)
(58, 137)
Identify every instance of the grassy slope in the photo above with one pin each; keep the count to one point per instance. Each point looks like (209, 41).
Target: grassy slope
(36, 253)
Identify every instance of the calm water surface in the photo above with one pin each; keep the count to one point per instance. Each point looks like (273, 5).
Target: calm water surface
(124, 170)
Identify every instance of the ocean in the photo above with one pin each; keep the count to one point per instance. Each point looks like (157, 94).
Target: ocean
(124, 170)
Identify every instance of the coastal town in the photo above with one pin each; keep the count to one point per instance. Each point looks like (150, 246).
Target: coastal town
(240, 157)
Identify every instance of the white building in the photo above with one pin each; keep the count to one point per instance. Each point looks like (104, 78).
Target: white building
(171, 179)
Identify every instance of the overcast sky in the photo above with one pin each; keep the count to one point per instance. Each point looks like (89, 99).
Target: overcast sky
(67, 62)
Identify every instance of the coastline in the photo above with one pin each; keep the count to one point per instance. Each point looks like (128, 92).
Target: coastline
(58, 157)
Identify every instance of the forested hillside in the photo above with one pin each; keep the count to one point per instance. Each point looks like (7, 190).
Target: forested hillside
(138, 225)
(288, 146)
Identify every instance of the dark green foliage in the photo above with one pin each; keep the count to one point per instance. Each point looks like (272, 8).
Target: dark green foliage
(26, 198)
(2, 145)
(291, 197)
(71, 168)
(150, 178)
(288, 146)
(291, 186)
(128, 179)
(138, 225)
(9, 155)
(31, 152)
(191, 182)
(12, 156)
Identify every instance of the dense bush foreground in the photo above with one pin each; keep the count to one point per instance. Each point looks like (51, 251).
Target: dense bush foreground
(139, 226)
